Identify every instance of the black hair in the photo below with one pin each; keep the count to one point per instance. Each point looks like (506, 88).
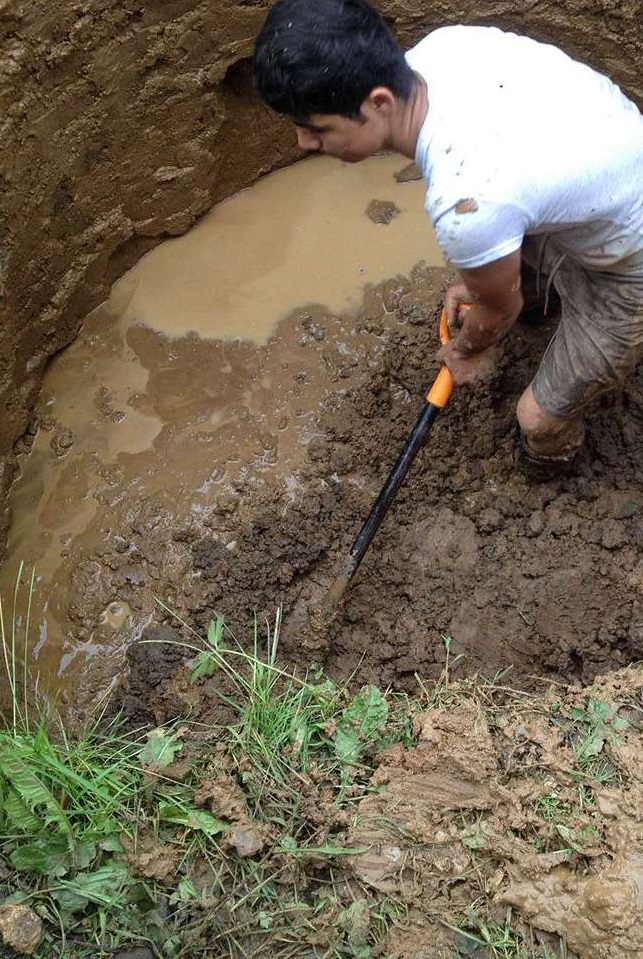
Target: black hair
(325, 56)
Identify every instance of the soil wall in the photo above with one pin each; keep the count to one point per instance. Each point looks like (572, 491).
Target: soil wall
(123, 121)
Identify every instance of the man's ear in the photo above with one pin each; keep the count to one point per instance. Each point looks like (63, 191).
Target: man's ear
(381, 101)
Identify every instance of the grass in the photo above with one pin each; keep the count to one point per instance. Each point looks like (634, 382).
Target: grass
(63, 803)
(596, 725)
(501, 940)
(440, 694)
(74, 812)
(16, 672)
(553, 807)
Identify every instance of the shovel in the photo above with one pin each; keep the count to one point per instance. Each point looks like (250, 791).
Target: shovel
(436, 399)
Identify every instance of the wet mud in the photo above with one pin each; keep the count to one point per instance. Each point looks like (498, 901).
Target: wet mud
(182, 405)
(231, 477)
(536, 578)
(491, 803)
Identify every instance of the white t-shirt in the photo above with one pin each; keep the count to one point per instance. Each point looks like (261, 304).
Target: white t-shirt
(521, 139)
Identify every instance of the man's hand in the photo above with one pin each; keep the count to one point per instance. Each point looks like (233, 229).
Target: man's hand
(454, 299)
(496, 301)
(467, 367)
(492, 295)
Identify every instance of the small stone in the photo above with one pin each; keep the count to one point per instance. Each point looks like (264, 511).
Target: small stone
(537, 522)
(246, 840)
(20, 929)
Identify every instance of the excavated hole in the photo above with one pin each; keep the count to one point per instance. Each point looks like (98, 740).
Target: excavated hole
(538, 580)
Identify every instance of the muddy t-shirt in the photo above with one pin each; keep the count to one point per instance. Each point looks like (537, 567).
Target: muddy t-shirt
(521, 139)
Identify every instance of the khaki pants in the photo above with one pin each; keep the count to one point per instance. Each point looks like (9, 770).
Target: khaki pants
(599, 339)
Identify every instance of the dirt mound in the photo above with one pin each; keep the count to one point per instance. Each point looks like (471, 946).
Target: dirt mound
(534, 801)
(540, 578)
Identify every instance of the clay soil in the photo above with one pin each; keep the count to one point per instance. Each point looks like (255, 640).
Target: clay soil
(541, 579)
(502, 814)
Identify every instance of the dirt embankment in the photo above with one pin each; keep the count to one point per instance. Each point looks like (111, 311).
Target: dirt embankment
(123, 123)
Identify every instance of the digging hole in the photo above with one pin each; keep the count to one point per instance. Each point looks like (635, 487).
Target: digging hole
(228, 468)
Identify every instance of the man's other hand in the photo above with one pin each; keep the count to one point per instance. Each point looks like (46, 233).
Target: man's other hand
(455, 298)
(468, 367)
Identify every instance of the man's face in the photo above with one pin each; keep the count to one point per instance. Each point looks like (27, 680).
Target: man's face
(341, 137)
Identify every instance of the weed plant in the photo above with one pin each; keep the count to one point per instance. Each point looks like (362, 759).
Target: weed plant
(64, 804)
(73, 812)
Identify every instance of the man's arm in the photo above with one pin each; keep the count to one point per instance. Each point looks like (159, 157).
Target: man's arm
(495, 298)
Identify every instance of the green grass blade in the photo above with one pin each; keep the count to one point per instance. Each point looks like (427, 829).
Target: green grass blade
(30, 788)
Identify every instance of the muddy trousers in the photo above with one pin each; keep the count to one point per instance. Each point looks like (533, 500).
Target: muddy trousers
(597, 344)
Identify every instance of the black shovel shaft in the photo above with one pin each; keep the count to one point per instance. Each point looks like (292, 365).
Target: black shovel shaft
(395, 479)
(380, 508)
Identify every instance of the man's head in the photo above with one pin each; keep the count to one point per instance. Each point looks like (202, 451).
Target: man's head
(334, 67)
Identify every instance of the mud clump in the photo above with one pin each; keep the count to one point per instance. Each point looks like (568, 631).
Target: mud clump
(408, 173)
(151, 664)
(382, 211)
(504, 787)
(537, 578)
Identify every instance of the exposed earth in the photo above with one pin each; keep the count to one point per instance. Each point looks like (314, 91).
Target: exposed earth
(230, 479)
(542, 579)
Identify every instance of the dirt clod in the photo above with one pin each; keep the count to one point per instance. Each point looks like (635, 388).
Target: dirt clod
(408, 173)
(382, 211)
(149, 857)
(20, 929)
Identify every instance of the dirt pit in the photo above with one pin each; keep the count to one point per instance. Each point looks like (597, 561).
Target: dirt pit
(535, 579)
(206, 462)
(229, 477)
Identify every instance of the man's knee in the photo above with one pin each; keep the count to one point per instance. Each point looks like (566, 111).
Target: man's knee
(545, 434)
(531, 417)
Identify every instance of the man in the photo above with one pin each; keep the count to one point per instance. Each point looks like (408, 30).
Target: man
(526, 154)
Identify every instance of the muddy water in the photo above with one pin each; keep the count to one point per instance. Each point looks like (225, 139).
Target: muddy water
(188, 384)
(298, 237)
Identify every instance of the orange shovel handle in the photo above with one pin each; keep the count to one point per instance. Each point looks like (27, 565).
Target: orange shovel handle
(437, 398)
(440, 393)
